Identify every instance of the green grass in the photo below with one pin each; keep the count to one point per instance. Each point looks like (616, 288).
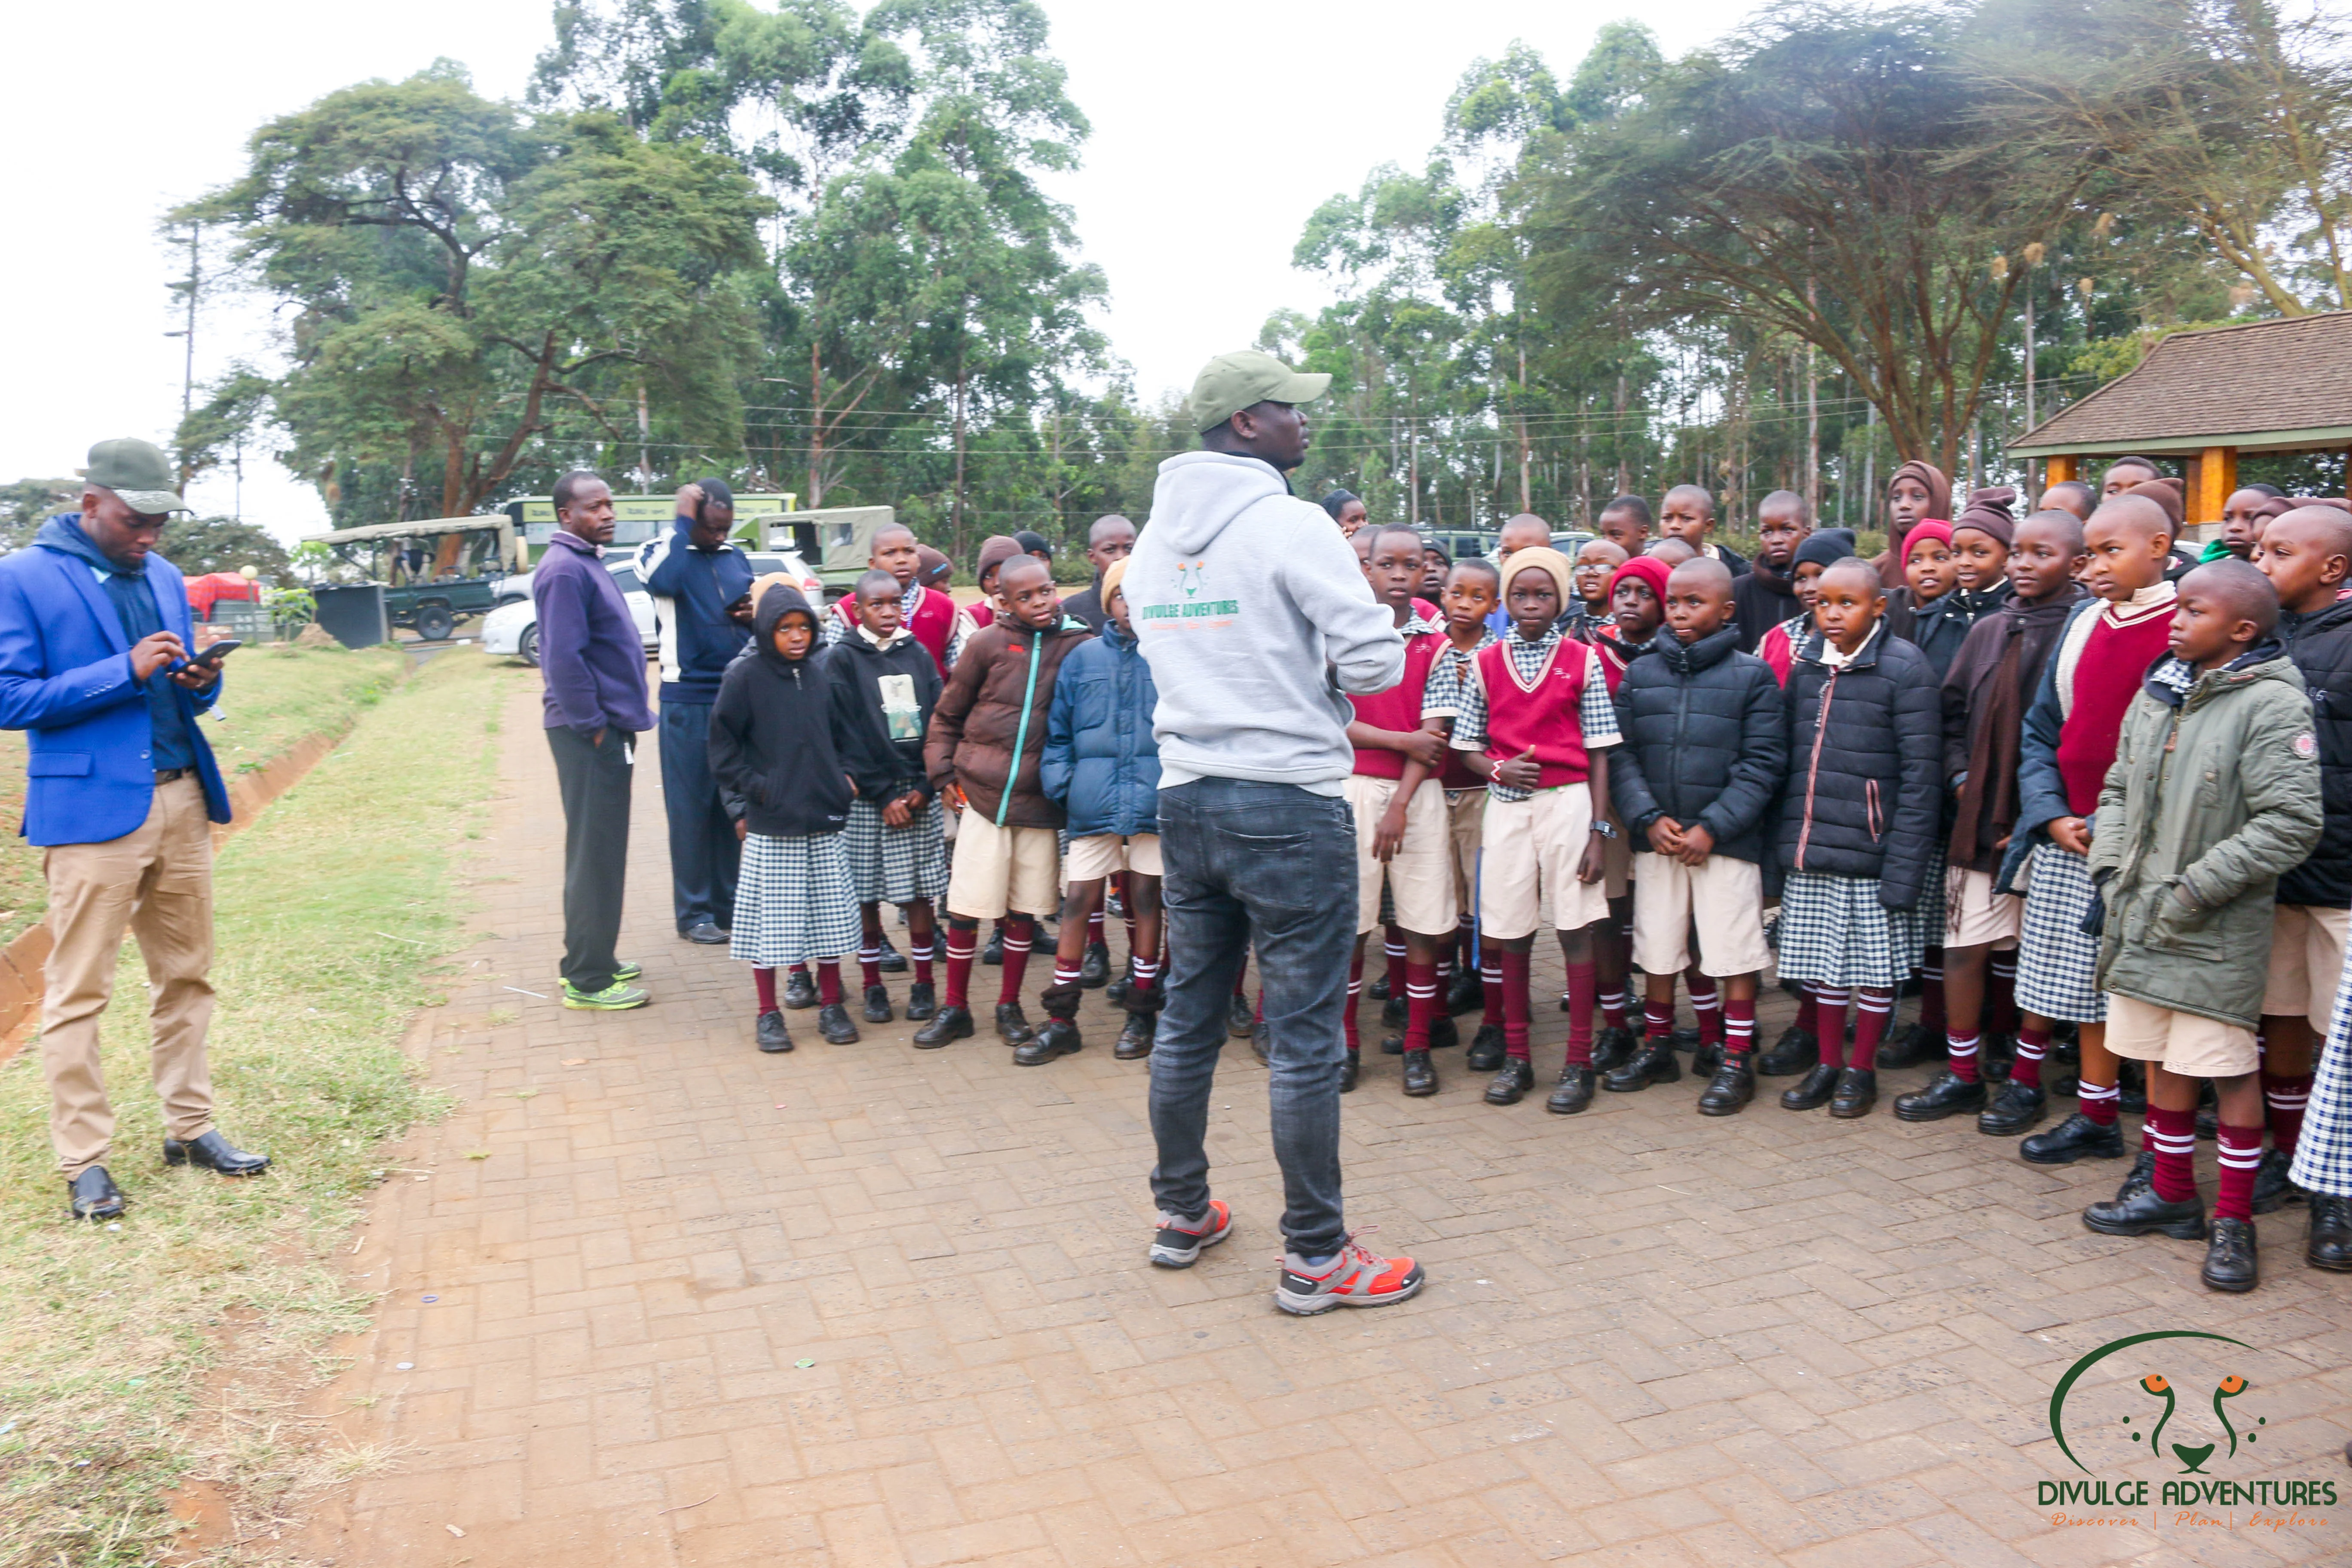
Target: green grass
(275, 695)
(182, 1346)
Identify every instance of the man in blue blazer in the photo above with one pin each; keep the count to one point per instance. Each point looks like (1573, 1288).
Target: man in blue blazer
(120, 795)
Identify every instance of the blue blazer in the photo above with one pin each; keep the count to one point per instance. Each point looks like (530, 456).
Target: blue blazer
(65, 677)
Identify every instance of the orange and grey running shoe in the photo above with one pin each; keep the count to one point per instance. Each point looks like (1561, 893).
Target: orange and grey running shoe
(1354, 1278)
(1180, 1241)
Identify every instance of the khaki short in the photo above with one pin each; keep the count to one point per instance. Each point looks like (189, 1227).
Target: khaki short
(1985, 918)
(2306, 961)
(1465, 816)
(1420, 874)
(1000, 871)
(2183, 1042)
(1725, 899)
(1532, 848)
(1096, 856)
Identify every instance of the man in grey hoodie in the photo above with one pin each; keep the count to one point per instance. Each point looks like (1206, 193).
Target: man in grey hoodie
(1255, 617)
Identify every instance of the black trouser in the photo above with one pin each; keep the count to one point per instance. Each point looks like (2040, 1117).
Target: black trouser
(594, 781)
(704, 852)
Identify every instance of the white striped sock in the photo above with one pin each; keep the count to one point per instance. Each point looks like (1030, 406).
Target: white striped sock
(1962, 1045)
(2088, 1090)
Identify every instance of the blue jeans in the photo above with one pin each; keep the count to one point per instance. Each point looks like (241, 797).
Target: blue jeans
(1266, 865)
(704, 852)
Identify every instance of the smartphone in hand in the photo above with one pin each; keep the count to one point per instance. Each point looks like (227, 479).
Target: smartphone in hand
(218, 651)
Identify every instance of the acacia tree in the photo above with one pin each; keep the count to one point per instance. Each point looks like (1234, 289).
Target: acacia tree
(1826, 179)
(460, 273)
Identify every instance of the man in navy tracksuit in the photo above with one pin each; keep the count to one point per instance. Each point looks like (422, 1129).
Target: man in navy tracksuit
(701, 585)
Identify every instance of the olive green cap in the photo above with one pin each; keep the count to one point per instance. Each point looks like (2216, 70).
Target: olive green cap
(137, 472)
(1231, 383)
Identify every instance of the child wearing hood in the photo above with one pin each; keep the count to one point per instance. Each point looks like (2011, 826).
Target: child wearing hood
(771, 747)
(1822, 548)
(1915, 494)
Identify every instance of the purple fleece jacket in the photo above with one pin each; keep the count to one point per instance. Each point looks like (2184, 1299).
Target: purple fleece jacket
(589, 649)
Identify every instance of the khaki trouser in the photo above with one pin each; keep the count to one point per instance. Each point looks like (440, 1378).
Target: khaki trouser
(157, 880)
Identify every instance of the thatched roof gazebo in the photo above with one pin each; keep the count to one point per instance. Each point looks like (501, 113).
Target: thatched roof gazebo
(2204, 397)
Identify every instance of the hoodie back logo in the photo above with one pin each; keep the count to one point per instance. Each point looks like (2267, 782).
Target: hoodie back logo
(1189, 575)
(1192, 610)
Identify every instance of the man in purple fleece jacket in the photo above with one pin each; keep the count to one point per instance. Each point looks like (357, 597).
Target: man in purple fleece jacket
(594, 665)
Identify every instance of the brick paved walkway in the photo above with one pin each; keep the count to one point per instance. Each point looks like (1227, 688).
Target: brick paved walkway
(866, 1305)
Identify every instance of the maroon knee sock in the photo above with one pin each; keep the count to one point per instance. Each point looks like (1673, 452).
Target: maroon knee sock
(1490, 986)
(1738, 1025)
(1657, 1018)
(1354, 992)
(1872, 1011)
(1020, 931)
(1392, 949)
(1583, 985)
(2098, 1101)
(1960, 1053)
(765, 979)
(1241, 976)
(1095, 930)
(2033, 1044)
(963, 941)
(1420, 1004)
(2240, 1157)
(2174, 1136)
(828, 981)
(1829, 1025)
(1707, 1002)
(1808, 1009)
(1515, 1002)
(2283, 1098)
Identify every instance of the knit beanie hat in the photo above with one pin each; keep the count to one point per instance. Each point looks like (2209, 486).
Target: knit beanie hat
(1931, 528)
(995, 551)
(1825, 547)
(933, 566)
(1113, 575)
(1551, 560)
(1988, 511)
(1648, 568)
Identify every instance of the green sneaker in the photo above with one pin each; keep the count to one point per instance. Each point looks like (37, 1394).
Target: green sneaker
(626, 971)
(615, 998)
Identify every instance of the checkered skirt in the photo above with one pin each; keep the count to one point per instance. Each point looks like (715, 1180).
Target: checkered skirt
(895, 865)
(2323, 1151)
(2057, 963)
(1834, 932)
(793, 903)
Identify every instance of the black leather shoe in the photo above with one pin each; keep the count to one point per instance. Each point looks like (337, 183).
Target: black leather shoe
(1733, 1086)
(1996, 1056)
(2140, 1177)
(1814, 1091)
(1442, 1035)
(1377, 990)
(705, 933)
(1116, 992)
(1575, 1090)
(1947, 1094)
(94, 1196)
(2016, 1107)
(1613, 1047)
(1511, 1084)
(1420, 1077)
(1654, 1063)
(2273, 1189)
(1918, 1044)
(1055, 1037)
(922, 1002)
(2138, 1211)
(1134, 1040)
(1467, 994)
(892, 961)
(2329, 1245)
(1012, 1024)
(1392, 1044)
(215, 1152)
(2230, 1261)
(994, 952)
(1706, 1059)
(800, 991)
(833, 1022)
(2076, 1138)
(1796, 1050)
(1350, 1070)
(948, 1023)
(1094, 969)
(1392, 1012)
(1857, 1091)
(877, 1005)
(1486, 1049)
(1240, 1018)
(769, 1033)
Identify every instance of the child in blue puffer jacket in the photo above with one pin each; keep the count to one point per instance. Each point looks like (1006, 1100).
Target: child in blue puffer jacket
(1101, 766)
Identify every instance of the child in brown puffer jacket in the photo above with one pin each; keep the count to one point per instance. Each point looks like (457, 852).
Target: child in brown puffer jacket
(984, 754)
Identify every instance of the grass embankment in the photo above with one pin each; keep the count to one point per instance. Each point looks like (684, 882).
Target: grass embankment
(180, 1345)
(275, 696)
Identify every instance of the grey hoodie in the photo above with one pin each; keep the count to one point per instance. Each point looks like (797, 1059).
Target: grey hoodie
(1254, 616)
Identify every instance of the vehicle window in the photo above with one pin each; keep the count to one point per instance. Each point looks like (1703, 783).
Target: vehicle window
(628, 581)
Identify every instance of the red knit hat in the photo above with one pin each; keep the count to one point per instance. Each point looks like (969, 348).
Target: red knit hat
(1930, 529)
(1649, 569)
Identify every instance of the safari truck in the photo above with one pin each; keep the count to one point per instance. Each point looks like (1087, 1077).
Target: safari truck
(840, 539)
(636, 518)
(434, 571)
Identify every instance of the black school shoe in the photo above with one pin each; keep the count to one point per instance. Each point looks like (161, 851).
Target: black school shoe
(1654, 1063)
(2231, 1263)
(1135, 1041)
(1947, 1094)
(1350, 1070)
(768, 1032)
(1510, 1085)
(1575, 1090)
(800, 991)
(1733, 1086)
(994, 952)
(2274, 1190)
(1420, 1075)
(1915, 1047)
(2076, 1138)
(1613, 1047)
(1857, 1091)
(1392, 1012)
(1486, 1049)
(2137, 1211)
(1468, 994)
(1377, 990)
(893, 961)
(1094, 969)
(1814, 1091)
(2329, 1245)
(1795, 1052)
(2016, 1107)
(947, 1026)
(2140, 1177)
(922, 1002)
(1240, 1018)
(877, 1005)
(1012, 1024)
(1055, 1037)
(833, 1022)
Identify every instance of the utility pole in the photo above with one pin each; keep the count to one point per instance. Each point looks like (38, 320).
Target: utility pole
(188, 336)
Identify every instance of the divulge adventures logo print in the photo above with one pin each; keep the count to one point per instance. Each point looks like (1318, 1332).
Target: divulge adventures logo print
(2111, 1423)
(1190, 609)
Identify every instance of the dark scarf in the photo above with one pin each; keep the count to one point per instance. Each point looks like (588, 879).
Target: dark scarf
(1999, 693)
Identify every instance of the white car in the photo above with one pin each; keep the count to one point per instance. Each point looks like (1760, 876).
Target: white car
(513, 628)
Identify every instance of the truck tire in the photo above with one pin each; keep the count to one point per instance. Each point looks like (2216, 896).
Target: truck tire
(435, 623)
(527, 644)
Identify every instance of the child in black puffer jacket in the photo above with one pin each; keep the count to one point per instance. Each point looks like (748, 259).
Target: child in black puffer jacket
(1859, 824)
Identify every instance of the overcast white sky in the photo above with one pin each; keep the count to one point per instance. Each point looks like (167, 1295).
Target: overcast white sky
(1215, 137)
